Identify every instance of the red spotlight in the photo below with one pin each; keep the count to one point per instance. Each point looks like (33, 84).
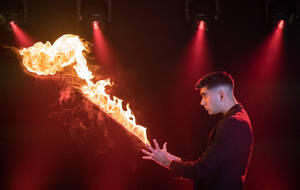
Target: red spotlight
(21, 37)
(12, 23)
(196, 57)
(101, 47)
(201, 25)
(95, 25)
(194, 62)
(266, 65)
(280, 24)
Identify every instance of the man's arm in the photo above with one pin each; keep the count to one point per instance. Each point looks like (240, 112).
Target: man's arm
(219, 150)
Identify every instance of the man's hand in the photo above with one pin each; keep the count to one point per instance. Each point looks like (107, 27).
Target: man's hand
(160, 156)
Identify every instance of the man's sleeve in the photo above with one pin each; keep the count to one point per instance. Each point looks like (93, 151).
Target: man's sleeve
(218, 151)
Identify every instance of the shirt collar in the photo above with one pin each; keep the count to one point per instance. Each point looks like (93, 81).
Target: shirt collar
(234, 109)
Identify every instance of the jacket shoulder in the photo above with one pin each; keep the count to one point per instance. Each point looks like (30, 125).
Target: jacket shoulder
(239, 121)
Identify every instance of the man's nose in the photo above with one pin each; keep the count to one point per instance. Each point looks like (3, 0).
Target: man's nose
(202, 102)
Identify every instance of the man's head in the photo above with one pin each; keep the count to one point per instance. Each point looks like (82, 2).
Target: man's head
(216, 90)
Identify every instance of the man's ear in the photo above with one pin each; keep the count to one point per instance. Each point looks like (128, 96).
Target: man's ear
(221, 95)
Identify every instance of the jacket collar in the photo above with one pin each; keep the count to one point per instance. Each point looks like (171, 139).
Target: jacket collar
(234, 109)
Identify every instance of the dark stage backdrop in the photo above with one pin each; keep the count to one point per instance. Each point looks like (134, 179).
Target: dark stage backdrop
(47, 144)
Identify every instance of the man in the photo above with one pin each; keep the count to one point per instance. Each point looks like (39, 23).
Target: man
(223, 165)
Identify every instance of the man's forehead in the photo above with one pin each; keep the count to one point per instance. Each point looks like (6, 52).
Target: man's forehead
(203, 90)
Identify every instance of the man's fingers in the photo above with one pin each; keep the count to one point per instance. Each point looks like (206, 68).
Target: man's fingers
(156, 144)
(149, 147)
(165, 146)
(147, 157)
(146, 152)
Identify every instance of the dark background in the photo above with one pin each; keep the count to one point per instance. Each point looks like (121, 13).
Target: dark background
(48, 145)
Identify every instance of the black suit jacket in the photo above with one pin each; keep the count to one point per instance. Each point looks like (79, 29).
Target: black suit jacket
(223, 165)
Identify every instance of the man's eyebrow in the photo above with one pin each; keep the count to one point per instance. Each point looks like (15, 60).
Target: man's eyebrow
(203, 93)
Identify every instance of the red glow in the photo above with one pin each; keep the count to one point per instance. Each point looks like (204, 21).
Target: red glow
(21, 37)
(268, 58)
(195, 62)
(259, 86)
(196, 59)
(32, 169)
(259, 78)
(12, 23)
(272, 54)
(280, 24)
(201, 25)
(95, 25)
(101, 49)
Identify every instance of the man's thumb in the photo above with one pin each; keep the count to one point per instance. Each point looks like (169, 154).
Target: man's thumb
(165, 146)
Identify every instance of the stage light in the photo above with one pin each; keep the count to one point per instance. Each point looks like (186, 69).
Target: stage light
(21, 37)
(90, 11)
(280, 24)
(281, 13)
(12, 20)
(202, 14)
(95, 25)
(15, 11)
(12, 23)
(202, 25)
(101, 47)
(279, 20)
(203, 22)
(97, 21)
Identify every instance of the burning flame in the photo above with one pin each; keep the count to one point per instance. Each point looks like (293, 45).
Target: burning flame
(44, 59)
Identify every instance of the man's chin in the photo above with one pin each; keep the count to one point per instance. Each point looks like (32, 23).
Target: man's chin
(210, 112)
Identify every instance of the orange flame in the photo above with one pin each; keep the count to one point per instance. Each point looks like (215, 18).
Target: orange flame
(44, 59)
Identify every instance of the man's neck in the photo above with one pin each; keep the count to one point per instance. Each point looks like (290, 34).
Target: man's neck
(230, 104)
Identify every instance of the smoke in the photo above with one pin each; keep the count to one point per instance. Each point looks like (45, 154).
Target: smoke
(88, 127)
(65, 94)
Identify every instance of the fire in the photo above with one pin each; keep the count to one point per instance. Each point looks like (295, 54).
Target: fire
(47, 59)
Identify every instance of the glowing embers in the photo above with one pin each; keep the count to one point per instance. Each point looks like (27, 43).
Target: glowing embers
(68, 50)
(21, 37)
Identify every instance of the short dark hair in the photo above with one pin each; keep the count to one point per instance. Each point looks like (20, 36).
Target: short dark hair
(215, 79)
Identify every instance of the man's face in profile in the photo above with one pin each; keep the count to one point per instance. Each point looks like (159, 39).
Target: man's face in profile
(209, 100)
